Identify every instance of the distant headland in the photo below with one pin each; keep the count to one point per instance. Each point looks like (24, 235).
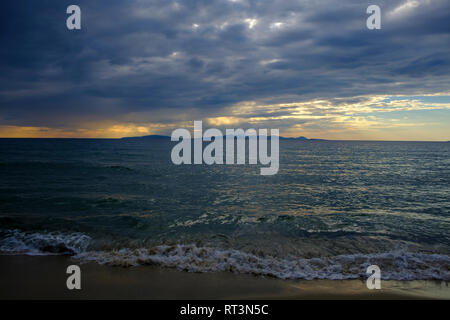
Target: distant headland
(161, 137)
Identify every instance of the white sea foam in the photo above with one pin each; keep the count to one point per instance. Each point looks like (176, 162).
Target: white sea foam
(395, 265)
(398, 265)
(37, 243)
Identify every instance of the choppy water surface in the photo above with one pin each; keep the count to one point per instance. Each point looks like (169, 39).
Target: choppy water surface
(333, 209)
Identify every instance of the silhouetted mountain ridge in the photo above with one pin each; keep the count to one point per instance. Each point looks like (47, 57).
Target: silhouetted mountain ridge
(161, 137)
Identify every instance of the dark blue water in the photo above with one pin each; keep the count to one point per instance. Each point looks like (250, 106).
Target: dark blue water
(333, 208)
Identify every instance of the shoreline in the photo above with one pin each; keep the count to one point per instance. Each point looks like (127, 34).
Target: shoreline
(44, 277)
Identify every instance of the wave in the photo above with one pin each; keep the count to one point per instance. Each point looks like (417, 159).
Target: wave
(36, 243)
(395, 265)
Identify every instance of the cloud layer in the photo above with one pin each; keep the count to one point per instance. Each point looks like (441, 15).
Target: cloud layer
(149, 66)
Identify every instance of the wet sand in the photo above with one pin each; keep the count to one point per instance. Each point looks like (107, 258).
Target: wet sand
(44, 277)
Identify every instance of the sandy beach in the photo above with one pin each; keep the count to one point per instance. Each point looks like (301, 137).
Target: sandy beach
(44, 277)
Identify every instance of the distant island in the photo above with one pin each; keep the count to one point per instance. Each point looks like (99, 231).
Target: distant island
(160, 137)
(153, 137)
(301, 139)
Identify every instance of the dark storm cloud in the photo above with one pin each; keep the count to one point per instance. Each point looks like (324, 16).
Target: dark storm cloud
(136, 56)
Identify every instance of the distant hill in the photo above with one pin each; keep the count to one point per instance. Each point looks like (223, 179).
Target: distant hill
(301, 139)
(160, 137)
(150, 137)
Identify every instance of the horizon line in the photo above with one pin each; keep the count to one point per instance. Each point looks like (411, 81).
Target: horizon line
(293, 138)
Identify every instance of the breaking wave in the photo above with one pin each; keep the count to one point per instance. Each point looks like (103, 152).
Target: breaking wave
(395, 265)
(36, 243)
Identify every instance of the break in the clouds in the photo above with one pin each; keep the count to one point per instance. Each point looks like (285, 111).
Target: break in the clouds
(307, 67)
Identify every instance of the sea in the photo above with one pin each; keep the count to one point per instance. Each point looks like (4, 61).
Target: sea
(333, 209)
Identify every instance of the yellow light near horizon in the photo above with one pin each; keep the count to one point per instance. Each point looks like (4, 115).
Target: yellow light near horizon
(220, 121)
(115, 131)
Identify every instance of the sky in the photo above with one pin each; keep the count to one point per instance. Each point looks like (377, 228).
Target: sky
(308, 68)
